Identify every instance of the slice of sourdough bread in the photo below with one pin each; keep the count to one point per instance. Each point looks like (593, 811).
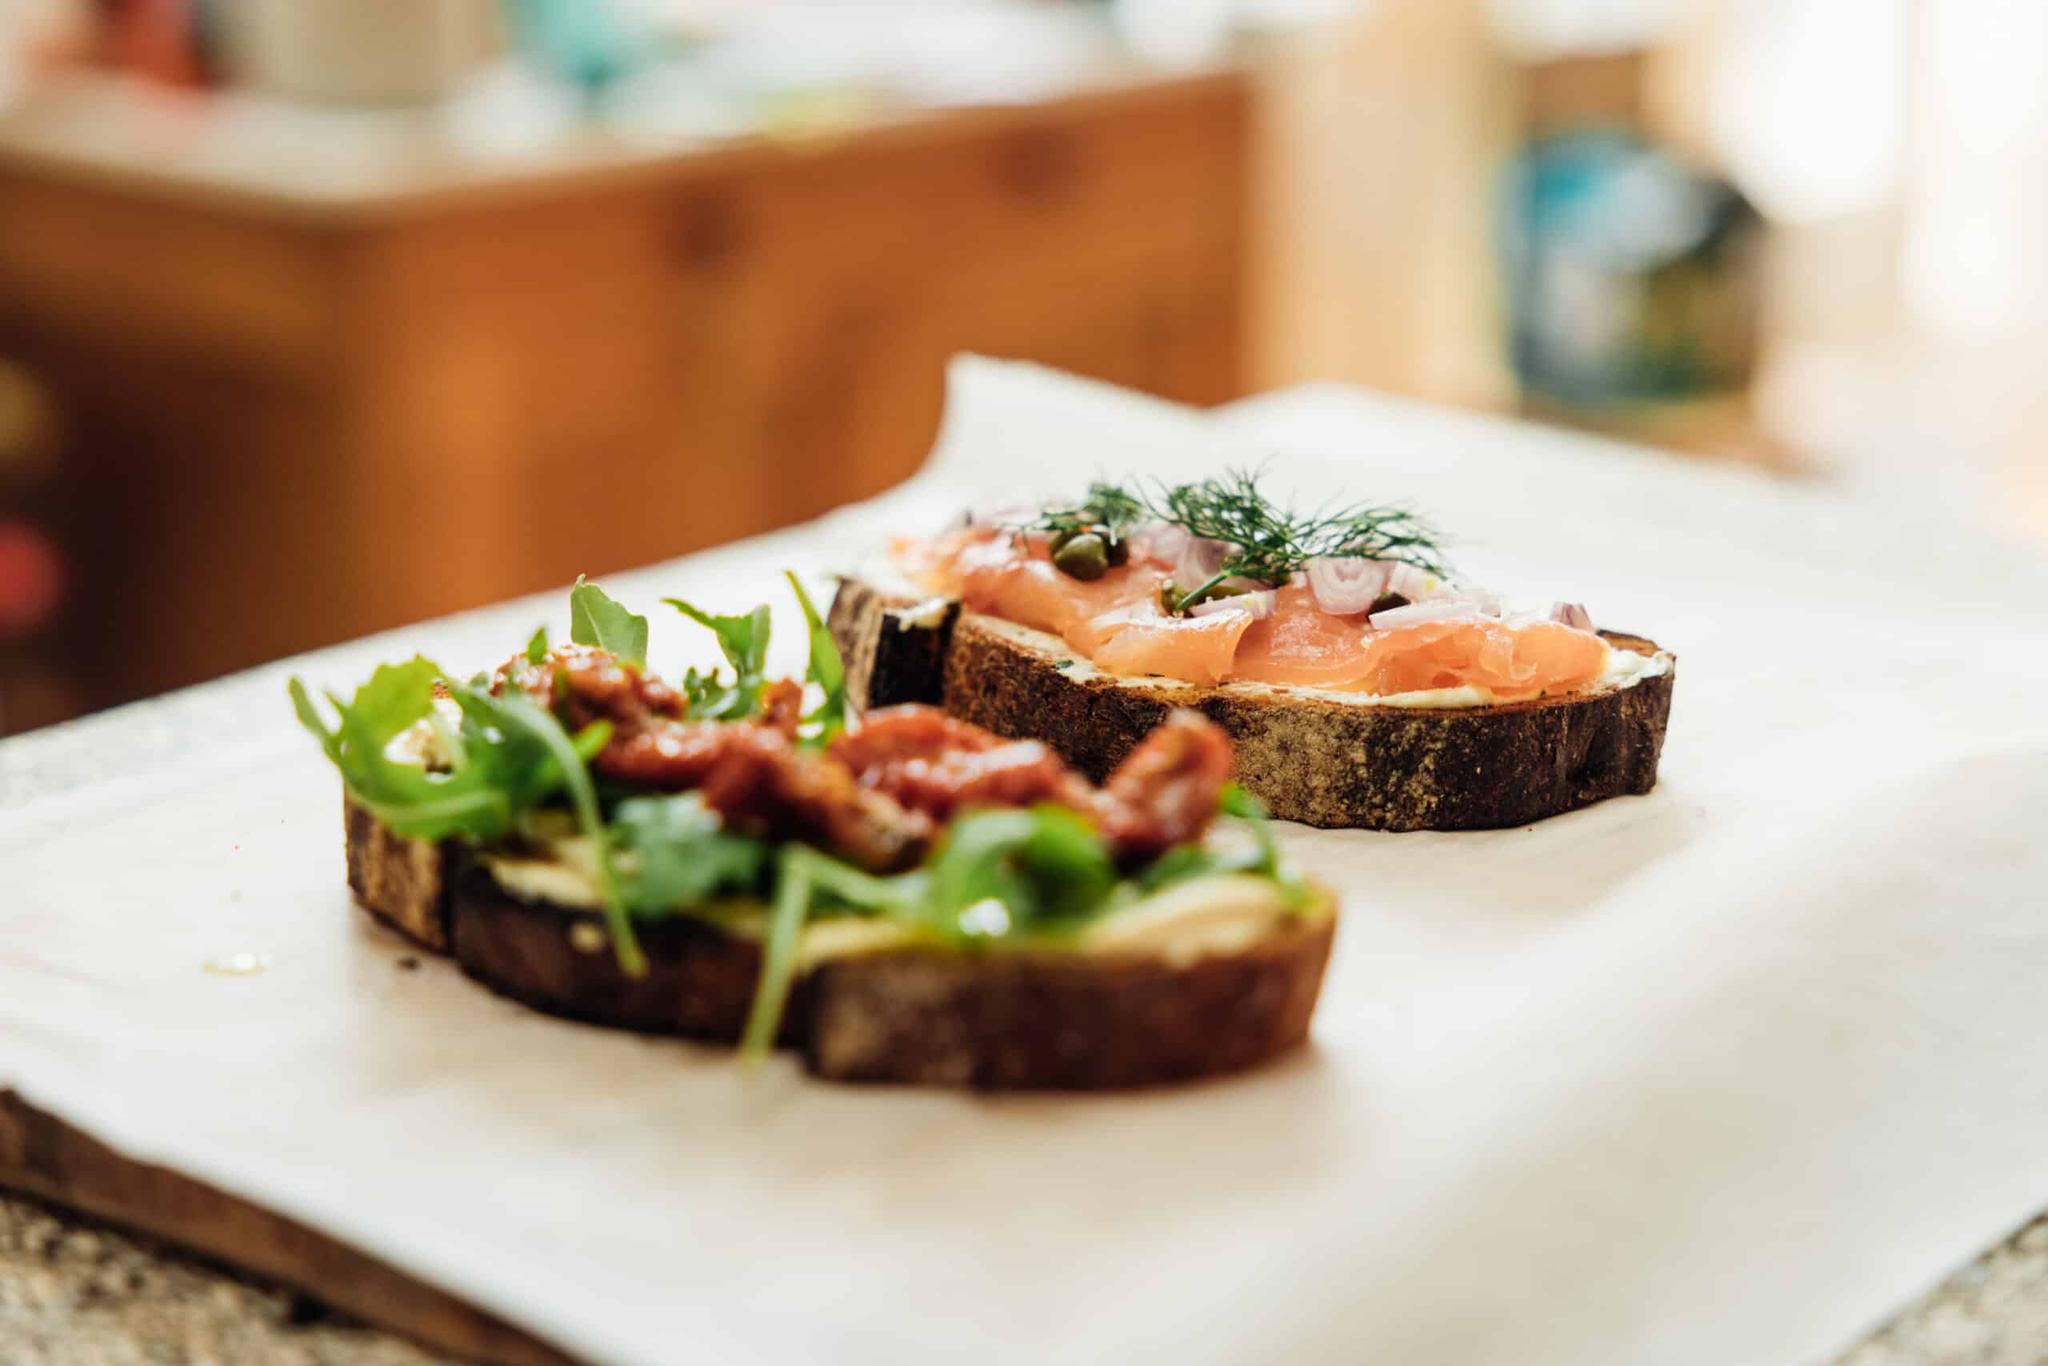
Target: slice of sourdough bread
(1162, 996)
(1321, 758)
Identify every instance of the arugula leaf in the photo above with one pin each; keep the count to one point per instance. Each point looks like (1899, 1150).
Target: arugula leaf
(537, 646)
(310, 717)
(1045, 864)
(744, 642)
(1236, 801)
(407, 795)
(509, 755)
(825, 668)
(683, 854)
(595, 619)
(1181, 865)
(1045, 867)
(793, 877)
(533, 756)
(805, 879)
(1252, 812)
(1258, 854)
(847, 887)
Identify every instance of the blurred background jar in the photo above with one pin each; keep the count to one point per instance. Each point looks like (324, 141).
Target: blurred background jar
(357, 51)
(1633, 280)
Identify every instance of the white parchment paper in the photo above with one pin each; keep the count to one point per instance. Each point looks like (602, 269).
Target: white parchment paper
(1721, 1074)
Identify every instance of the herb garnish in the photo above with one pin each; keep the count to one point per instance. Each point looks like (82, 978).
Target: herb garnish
(506, 756)
(997, 874)
(1043, 864)
(489, 771)
(1258, 855)
(515, 721)
(1272, 542)
(595, 619)
(1107, 508)
(824, 668)
(1088, 537)
(743, 641)
(681, 853)
(805, 881)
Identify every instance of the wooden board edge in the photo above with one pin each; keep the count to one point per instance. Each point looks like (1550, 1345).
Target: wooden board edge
(45, 1157)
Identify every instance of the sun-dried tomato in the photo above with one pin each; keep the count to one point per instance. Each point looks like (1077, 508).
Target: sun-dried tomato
(1164, 793)
(582, 683)
(782, 706)
(934, 763)
(881, 790)
(760, 782)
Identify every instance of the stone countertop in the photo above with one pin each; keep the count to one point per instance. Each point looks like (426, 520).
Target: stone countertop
(73, 1291)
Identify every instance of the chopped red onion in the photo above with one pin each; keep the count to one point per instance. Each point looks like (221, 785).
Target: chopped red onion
(1413, 584)
(1436, 609)
(1344, 586)
(1192, 560)
(1572, 614)
(1259, 605)
(1158, 541)
(1199, 561)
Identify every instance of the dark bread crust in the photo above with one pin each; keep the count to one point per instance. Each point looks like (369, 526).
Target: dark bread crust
(1017, 1020)
(699, 980)
(1313, 759)
(999, 1020)
(400, 881)
(891, 656)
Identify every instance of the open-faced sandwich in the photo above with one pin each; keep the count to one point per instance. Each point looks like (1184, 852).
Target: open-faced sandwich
(908, 898)
(1362, 684)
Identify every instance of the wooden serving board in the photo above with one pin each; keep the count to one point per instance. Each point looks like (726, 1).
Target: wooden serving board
(42, 1156)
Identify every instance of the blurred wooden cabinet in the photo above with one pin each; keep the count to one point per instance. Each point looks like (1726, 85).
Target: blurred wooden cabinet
(291, 421)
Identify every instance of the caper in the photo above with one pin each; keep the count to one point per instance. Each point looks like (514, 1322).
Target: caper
(1119, 550)
(1082, 556)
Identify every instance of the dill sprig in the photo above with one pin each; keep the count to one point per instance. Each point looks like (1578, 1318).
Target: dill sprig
(1108, 508)
(1273, 541)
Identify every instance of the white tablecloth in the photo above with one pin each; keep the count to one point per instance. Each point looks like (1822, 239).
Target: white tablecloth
(1725, 1073)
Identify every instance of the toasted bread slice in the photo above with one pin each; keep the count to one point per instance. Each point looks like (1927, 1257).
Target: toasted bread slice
(1165, 992)
(1321, 758)
(401, 881)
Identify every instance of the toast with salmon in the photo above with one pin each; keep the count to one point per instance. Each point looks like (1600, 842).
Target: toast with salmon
(1361, 685)
(907, 898)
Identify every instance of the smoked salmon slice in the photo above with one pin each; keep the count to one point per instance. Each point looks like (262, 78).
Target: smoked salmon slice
(1509, 661)
(1301, 646)
(1117, 622)
(1195, 649)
